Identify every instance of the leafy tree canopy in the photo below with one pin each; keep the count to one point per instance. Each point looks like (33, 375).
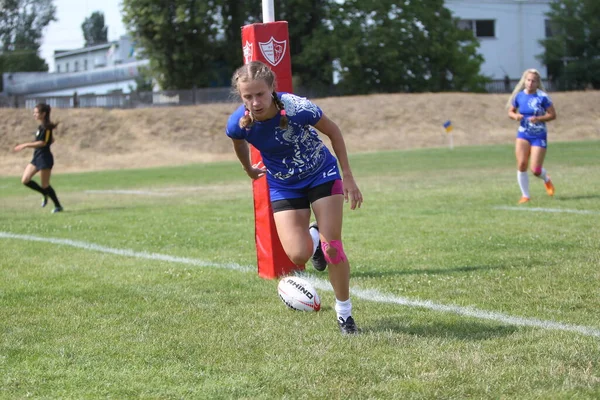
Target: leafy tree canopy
(572, 50)
(94, 30)
(179, 38)
(376, 45)
(21, 27)
(387, 46)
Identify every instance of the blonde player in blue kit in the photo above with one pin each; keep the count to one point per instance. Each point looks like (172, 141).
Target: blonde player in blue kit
(532, 107)
(301, 173)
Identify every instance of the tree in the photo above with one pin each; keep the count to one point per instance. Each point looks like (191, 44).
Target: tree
(179, 37)
(379, 46)
(310, 48)
(214, 45)
(572, 46)
(143, 82)
(233, 14)
(311, 63)
(304, 17)
(94, 31)
(386, 46)
(21, 25)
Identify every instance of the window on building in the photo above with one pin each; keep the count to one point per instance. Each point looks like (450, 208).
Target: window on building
(66, 67)
(85, 65)
(480, 27)
(76, 66)
(485, 28)
(58, 68)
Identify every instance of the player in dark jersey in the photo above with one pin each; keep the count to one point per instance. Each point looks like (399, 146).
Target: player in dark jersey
(301, 173)
(532, 107)
(42, 161)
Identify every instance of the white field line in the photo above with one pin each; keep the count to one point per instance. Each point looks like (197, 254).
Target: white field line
(138, 192)
(369, 295)
(376, 296)
(548, 210)
(169, 191)
(127, 252)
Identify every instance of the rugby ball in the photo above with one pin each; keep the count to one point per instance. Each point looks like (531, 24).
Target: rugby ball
(298, 294)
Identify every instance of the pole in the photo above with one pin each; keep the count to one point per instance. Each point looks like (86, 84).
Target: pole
(268, 10)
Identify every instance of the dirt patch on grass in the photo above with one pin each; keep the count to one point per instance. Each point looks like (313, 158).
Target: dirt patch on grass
(99, 139)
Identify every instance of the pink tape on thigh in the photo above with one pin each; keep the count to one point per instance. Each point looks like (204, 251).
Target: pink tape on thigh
(339, 257)
(537, 171)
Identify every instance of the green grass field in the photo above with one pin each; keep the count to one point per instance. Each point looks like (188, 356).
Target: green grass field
(146, 286)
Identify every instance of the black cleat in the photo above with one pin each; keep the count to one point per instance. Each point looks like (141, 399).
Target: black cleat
(347, 327)
(44, 201)
(57, 209)
(318, 259)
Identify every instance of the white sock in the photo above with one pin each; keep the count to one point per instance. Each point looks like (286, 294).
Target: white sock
(523, 180)
(343, 309)
(314, 234)
(543, 175)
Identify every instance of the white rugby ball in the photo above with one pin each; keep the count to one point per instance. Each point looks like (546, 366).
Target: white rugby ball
(298, 294)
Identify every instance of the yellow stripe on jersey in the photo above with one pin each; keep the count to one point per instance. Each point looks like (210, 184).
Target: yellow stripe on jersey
(48, 132)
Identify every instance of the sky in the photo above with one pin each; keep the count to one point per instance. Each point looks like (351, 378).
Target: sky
(66, 33)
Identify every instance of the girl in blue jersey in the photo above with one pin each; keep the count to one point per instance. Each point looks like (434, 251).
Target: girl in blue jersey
(42, 161)
(301, 173)
(531, 106)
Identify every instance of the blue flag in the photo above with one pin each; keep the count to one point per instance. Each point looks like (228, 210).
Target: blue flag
(448, 126)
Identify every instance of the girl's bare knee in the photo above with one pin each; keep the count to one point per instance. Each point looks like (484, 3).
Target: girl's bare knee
(298, 258)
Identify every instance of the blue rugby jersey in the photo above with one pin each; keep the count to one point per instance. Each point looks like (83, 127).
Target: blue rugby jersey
(293, 155)
(530, 105)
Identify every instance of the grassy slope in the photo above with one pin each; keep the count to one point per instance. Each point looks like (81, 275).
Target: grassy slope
(99, 139)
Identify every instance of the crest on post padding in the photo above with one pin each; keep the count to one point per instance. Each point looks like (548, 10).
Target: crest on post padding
(273, 50)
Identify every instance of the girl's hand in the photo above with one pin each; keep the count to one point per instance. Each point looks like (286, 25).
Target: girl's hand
(352, 193)
(534, 120)
(255, 171)
(18, 148)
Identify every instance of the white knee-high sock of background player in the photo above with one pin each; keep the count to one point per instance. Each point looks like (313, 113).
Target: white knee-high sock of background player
(543, 175)
(314, 234)
(523, 180)
(343, 309)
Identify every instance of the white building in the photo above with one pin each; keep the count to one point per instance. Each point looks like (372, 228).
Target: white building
(94, 57)
(509, 32)
(100, 69)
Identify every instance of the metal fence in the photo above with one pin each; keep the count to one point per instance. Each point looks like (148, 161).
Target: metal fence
(180, 97)
(130, 100)
(502, 86)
